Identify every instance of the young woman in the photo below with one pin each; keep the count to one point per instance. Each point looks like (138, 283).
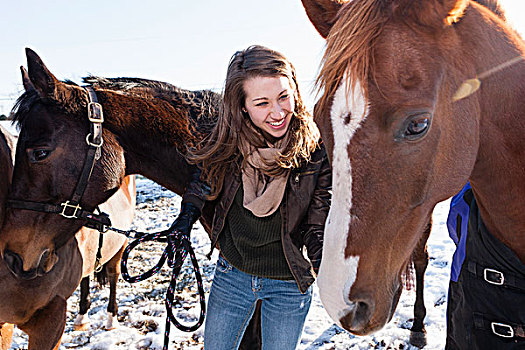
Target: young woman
(269, 176)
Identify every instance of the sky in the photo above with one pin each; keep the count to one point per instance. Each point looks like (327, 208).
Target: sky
(186, 43)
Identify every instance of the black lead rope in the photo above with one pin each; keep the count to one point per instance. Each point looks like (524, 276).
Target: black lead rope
(175, 254)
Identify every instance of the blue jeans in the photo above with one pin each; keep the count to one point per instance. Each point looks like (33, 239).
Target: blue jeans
(232, 302)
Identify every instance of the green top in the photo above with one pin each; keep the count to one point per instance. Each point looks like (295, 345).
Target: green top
(253, 244)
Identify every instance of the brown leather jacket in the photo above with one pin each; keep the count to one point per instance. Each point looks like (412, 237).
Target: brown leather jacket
(304, 209)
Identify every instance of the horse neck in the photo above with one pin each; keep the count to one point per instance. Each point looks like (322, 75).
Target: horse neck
(498, 179)
(153, 134)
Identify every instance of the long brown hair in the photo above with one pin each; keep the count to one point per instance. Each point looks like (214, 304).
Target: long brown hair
(220, 152)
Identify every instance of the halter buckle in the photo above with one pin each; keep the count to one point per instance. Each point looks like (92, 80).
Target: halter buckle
(503, 330)
(66, 205)
(95, 114)
(493, 277)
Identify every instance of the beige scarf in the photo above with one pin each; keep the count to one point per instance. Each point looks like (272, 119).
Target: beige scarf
(263, 194)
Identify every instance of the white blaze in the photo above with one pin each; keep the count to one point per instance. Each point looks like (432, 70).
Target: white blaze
(337, 274)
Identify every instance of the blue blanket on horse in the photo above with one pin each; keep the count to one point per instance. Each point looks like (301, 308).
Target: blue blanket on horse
(486, 299)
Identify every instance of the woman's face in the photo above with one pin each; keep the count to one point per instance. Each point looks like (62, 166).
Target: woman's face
(270, 102)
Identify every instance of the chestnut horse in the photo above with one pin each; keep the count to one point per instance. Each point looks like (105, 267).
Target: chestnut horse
(147, 129)
(401, 138)
(37, 306)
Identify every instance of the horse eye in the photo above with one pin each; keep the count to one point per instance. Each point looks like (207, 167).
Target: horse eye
(40, 154)
(417, 127)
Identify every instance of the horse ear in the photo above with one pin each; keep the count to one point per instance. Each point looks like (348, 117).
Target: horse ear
(433, 13)
(42, 80)
(28, 85)
(323, 13)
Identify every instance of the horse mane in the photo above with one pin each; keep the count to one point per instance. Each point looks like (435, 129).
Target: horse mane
(131, 85)
(23, 105)
(202, 105)
(494, 6)
(199, 107)
(71, 101)
(363, 21)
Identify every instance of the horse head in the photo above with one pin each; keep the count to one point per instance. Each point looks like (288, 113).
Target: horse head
(53, 120)
(400, 135)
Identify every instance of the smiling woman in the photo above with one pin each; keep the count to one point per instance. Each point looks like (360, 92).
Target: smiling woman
(271, 179)
(261, 88)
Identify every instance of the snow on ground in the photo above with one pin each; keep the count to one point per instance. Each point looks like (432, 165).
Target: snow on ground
(142, 312)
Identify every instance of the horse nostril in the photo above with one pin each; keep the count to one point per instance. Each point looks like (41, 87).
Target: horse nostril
(357, 320)
(44, 256)
(15, 264)
(363, 313)
(45, 264)
(13, 261)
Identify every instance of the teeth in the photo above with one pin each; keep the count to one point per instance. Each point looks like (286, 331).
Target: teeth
(277, 123)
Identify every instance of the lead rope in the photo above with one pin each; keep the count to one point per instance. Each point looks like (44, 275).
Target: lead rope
(176, 251)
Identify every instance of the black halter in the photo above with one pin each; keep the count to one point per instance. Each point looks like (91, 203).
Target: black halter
(71, 209)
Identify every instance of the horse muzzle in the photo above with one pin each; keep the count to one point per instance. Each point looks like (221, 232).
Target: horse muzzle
(15, 264)
(357, 319)
(366, 317)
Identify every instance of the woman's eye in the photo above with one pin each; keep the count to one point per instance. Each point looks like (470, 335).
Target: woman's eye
(261, 104)
(40, 154)
(284, 97)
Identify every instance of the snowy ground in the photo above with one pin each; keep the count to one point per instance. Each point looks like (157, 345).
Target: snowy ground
(142, 314)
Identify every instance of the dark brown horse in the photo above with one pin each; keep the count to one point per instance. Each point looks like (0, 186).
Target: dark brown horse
(148, 127)
(404, 132)
(37, 306)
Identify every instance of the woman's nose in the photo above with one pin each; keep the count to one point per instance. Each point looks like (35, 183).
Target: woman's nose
(278, 111)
